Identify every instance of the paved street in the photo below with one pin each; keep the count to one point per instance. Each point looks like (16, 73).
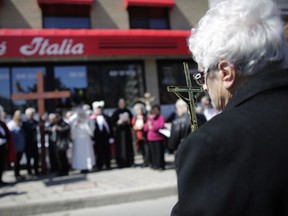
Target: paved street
(154, 207)
(78, 191)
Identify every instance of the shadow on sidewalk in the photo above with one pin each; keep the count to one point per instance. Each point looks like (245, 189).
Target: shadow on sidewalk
(70, 179)
(12, 193)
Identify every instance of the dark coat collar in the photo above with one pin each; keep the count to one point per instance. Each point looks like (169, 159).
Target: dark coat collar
(263, 81)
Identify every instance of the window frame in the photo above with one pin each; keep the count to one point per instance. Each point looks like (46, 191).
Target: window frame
(66, 11)
(146, 11)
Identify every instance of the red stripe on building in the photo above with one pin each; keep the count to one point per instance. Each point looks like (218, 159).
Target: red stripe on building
(32, 43)
(149, 3)
(83, 2)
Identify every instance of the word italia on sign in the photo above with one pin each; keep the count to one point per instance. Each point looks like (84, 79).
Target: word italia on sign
(41, 46)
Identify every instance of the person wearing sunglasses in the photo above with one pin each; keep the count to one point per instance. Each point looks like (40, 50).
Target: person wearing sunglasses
(236, 163)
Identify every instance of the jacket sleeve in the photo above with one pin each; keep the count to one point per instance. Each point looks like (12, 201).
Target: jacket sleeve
(64, 128)
(174, 139)
(209, 180)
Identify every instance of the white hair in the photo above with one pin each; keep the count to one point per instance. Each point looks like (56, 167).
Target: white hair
(29, 111)
(248, 34)
(139, 106)
(180, 103)
(86, 107)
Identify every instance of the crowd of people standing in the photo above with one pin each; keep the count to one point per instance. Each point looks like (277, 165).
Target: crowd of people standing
(88, 134)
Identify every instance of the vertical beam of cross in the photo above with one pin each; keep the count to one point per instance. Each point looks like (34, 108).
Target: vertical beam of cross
(193, 94)
(40, 96)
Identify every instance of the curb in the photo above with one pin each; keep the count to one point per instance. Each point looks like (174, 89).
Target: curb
(87, 201)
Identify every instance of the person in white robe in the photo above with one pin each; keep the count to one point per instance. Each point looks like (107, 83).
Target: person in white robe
(82, 131)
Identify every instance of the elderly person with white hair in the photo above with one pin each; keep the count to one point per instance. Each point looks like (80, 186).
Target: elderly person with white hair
(236, 164)
(138, 121)
(181, 126)
(30, 126)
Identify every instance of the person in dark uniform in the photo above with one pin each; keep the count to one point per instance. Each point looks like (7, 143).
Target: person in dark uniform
(121, 121)
(103, 136)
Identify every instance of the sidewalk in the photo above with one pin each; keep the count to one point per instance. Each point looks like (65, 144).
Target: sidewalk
(52, 194)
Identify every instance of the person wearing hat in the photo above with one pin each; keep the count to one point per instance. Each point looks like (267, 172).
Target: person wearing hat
(82, 129)
(103, 136)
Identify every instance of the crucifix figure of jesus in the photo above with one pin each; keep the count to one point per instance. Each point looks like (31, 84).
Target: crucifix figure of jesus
(40, 96)
(193, 94)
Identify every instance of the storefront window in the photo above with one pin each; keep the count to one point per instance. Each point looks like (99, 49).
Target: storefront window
(149, 17)
(109, 82)
(24, 80)
(66, 22)
(87, 83)
(5, 89)
(171, 73)
(72, 78)
(61, 16)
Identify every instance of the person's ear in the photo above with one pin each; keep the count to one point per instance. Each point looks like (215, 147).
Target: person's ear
(228, 73)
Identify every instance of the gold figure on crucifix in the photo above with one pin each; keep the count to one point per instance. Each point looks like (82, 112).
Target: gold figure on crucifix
(193, 94)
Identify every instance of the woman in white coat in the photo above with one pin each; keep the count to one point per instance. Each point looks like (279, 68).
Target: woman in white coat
(82, 129)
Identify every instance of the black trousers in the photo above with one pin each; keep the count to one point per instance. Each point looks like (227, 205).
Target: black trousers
(63, 165)
(3, 155)
(103, 154)
(17, 163)
(32, 153)
(53, 156)
(144, 151)
(156, 150)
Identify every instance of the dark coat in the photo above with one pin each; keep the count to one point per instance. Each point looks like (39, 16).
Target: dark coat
(102, 137)
(11, 150)
(63, 136)
(237, 163)
(30, 129)
(123, 139)
(181, 128)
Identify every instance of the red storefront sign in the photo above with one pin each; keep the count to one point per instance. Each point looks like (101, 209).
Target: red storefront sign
(28, 43)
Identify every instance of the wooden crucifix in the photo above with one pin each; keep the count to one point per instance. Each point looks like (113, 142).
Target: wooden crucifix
(40, 96)
(193, 94)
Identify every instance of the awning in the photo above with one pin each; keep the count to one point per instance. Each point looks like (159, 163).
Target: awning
(149, 3)
(82, 2)
(39, 43)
